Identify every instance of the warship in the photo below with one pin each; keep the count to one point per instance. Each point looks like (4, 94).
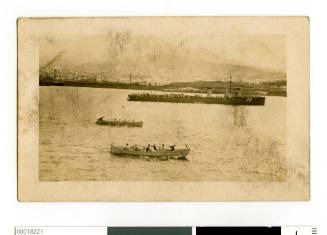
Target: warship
(232, 96)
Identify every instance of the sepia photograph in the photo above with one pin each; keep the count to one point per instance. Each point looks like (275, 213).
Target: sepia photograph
(164, 100)
(125, 106)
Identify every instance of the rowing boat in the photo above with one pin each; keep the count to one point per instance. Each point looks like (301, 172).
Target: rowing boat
(160, 153)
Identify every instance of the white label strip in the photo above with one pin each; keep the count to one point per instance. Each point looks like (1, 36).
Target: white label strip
(193, 230)
(61, 230)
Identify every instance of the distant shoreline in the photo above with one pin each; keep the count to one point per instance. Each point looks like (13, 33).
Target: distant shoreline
(191, 87)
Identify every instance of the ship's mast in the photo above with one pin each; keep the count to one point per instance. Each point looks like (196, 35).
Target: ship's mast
(130, 78)
(230, 82)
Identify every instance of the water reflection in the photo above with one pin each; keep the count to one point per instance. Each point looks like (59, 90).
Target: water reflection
(257, 154)
(240, 115)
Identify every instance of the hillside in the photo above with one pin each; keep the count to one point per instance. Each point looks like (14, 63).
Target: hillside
(147, 59)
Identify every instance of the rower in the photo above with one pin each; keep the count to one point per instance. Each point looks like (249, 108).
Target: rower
(154, 147)
(172, 147)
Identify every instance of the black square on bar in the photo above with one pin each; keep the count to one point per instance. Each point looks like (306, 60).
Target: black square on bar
(238, 231)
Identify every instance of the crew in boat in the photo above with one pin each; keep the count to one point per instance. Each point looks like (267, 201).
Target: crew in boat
(126, 146)
(154, 147)
(172, 147)
(136, 148)
(100, 118)
(148, 148)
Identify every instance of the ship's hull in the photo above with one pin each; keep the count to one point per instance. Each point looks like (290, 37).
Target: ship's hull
(161, 154)
(240, 100)
(119, 123)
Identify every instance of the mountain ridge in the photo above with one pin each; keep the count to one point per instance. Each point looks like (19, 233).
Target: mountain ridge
(152, 58)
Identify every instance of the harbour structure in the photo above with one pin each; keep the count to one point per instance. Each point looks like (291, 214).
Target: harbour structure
(115, 122)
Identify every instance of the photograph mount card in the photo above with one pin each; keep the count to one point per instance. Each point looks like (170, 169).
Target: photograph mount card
(163, 109)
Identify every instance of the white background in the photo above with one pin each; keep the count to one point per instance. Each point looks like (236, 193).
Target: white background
(165, 214)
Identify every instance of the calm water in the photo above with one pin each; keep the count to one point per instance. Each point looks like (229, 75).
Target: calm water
(227, 143)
